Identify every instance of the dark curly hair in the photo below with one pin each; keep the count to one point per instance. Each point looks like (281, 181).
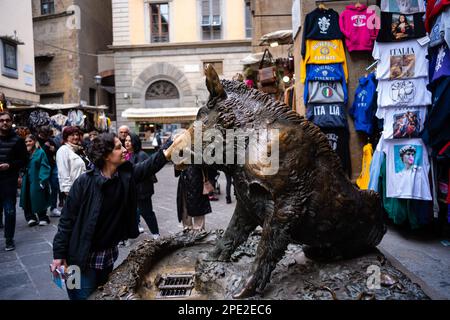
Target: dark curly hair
(135, 142)
(100, 147)
(68, 131)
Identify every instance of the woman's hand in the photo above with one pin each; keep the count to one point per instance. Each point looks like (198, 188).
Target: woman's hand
(57, 263)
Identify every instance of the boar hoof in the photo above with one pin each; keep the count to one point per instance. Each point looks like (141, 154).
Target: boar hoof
(248, 290)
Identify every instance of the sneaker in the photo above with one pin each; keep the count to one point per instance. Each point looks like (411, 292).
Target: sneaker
(45, 221)
(32, 223)
(141, 229)
(156, 236)
(55, 213)
(10, 245)
(228, 199)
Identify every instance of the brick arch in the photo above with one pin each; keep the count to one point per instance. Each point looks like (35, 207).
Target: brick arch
(160, 71)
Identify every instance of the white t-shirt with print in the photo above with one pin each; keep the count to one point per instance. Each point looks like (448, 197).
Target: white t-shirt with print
(403, 122)
(403, 92)
(400, 60)
(407, 181)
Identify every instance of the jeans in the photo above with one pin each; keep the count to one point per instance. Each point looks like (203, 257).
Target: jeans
(90, 280)
(54, 186)
(8, 194)
(145, 209)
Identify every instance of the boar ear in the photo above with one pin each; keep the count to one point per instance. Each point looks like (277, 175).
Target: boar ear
(213, 84)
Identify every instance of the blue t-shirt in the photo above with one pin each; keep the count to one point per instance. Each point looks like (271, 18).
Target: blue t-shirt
(328, 115)
(364, 105)
(325, 72)
(439, 62)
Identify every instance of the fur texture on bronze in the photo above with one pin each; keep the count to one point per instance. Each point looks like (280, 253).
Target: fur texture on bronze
(309, 201)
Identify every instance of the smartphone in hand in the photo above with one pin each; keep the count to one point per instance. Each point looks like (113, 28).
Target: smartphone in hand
(58, 276)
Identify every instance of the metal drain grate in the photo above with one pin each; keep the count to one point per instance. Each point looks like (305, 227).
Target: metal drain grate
(175, 285)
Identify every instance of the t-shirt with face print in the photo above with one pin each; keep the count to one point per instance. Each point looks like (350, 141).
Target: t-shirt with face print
(400, 60)
(403, 122)
(403, 92)
(407, 169)
(400, 27)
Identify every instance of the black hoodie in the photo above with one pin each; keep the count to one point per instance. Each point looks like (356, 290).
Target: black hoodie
(321, 24)
(14, 152)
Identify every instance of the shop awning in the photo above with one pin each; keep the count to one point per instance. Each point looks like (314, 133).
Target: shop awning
(161, 115)
(280, 36)
(252, 58)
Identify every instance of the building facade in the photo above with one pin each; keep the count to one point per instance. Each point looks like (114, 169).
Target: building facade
(17, 74)
(160, 50)
(269, 16)
(69, 34)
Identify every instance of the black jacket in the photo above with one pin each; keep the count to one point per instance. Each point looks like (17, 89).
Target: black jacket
(14, 152)
(190, 184)
(144, 189)
(79, 216)
(321, 25)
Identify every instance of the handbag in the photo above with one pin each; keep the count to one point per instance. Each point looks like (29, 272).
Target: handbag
(207, 186)
(267, 75)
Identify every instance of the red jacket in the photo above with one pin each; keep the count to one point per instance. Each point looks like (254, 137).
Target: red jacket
(434, 7)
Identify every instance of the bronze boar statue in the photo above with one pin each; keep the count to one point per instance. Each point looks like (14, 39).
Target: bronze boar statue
(309, 201)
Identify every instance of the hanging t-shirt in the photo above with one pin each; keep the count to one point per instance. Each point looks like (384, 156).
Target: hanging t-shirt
(407, 169)
(400, 123)
(400, 27)
(321, 24)
(338, 139)
(408, 92)
(363, 180)
(323, 52)
(325, 72)
(400, 60)
(403, 6)
(326, 92)
(327, 115)
(436, 34)
(439, 62)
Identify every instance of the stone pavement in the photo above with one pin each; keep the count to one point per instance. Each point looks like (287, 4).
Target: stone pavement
(24, 273)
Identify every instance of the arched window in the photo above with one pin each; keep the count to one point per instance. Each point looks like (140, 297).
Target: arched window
(160, 90)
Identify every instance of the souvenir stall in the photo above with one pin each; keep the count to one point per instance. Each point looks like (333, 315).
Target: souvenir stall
(30, 118)
(399, 111)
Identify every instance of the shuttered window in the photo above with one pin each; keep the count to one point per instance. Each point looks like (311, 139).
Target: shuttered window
(211, 20)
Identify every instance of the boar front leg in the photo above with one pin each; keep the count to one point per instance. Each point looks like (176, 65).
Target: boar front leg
(274, 241)
(239, 228)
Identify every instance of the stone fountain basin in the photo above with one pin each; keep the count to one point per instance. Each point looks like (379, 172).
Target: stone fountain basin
(295, 277)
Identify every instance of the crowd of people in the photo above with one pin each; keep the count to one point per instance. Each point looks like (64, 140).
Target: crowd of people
(81, 172)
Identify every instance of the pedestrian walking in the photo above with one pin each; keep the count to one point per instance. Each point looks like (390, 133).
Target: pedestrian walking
(145, 189)
(192, 204)
(13, 157)
(100, 211)
(35, 191)
(49, 146)
(69, 159)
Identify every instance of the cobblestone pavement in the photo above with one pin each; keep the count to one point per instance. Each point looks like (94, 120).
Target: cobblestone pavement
(24, 273)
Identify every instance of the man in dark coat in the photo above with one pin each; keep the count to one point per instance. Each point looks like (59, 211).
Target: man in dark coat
(100, 211)
(192, 204)
(13, 157)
